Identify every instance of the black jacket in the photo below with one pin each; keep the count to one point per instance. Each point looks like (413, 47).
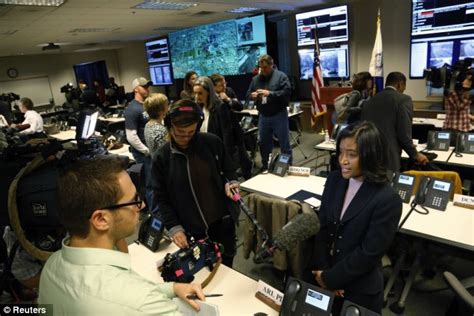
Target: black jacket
(389, 112)
(220, 124)
(349, 251)
(173, 191)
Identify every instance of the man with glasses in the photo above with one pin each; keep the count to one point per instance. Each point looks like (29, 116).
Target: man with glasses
(192, 179)
(99, 207)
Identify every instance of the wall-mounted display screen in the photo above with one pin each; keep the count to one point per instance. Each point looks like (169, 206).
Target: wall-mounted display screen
(159, 62)
(334, 62)
(442, 32)
(332, 26)
(230, 47)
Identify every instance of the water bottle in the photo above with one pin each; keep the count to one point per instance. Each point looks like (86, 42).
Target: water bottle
(326, 136)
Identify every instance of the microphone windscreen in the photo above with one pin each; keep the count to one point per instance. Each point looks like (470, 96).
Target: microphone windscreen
(301, 227)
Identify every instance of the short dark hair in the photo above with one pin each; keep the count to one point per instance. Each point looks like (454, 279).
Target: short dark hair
(216, 78)
(395, 78)
(84, 187)
(27, 103)
(372, 153)
(360, 80)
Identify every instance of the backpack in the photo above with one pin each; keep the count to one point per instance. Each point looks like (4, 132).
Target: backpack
(341, 104)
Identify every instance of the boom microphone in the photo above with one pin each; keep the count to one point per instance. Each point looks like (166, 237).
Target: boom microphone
(301, 227)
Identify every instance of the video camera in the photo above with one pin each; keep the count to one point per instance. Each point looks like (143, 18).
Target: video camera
(181, 265)
(9, 97)
(449, 77)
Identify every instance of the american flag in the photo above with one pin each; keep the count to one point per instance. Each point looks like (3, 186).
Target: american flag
(317, 108)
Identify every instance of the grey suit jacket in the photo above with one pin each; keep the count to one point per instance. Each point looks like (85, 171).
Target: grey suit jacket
(389, 111)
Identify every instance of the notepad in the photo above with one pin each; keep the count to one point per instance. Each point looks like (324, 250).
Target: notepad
(207, 309)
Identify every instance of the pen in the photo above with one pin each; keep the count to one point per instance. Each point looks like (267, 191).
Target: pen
(195, 297)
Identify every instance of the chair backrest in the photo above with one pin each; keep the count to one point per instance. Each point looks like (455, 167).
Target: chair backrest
(272, 214)
(447, 175)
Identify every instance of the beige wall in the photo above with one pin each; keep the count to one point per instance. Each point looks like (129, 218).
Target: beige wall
(396, 24)
(58, 67)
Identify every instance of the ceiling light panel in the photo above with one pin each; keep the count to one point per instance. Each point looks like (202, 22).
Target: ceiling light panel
(164, 5)
(42, 3)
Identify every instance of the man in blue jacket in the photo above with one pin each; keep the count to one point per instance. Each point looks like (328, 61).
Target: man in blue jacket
(271, 90)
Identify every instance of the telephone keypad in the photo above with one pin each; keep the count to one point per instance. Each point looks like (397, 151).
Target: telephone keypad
(402, 194)
(442, 146)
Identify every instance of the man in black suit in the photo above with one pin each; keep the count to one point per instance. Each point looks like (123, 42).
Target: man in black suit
(390, 111)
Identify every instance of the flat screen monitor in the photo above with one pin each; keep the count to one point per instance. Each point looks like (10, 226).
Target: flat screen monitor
(230, 47)
(159, 61)
(442, 32)
(332, 26)
(334, 62)
(86, 125)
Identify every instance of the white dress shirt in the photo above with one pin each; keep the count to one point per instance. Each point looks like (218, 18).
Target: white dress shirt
(34, 120)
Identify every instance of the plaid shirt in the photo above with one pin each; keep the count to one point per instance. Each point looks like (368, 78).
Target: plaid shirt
(457, 112)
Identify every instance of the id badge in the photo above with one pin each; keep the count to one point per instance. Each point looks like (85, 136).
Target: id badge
(264, 100)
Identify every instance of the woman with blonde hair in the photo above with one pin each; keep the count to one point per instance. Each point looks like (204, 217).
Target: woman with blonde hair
(156, 105)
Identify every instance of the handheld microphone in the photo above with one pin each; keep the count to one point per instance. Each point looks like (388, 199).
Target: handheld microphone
(301, 227)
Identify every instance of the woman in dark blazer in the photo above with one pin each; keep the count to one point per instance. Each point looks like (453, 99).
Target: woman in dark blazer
(359, 215)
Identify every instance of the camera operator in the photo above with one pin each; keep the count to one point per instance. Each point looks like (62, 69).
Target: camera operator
(192, 181)
(33, 122)
(99, 207)
(458, 104)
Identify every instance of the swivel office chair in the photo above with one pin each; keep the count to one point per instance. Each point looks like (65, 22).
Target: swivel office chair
(463, 290)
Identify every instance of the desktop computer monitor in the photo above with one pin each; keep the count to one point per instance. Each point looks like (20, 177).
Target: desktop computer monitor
(86, 125)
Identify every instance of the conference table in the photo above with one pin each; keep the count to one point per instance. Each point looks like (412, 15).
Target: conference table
(238, 290)
(71, 135)
(453, 227)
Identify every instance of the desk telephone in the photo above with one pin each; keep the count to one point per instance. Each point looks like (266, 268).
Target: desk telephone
(438, 140)
(403, 184)
(151, 231)
(302, 298)
(465, 143)
(434, 193)
(279, 164)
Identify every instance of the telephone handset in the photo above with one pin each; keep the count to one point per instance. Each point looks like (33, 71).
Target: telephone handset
(438, 140)
(336, 130)
(403, 184)
(151, 231)
(279, 164)
(434, 193)
(302, 298)
(465, 143)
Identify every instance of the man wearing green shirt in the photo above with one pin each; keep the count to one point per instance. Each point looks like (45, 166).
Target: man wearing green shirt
(100, 207)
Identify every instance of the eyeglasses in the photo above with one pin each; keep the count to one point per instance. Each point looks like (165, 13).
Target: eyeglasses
(137, 200)
(184, 135)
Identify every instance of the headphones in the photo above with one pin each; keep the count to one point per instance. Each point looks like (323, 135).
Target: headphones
(184, 106)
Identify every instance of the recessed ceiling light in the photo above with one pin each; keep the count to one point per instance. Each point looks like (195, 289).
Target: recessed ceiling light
(163, 5)
(42, 3)
(242, 10)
